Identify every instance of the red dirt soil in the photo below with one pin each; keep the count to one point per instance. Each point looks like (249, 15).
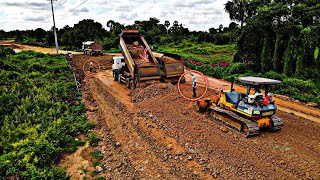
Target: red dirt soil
(163, 137)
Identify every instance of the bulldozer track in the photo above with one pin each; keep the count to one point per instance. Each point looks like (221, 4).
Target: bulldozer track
(251, 128)
(277, 123)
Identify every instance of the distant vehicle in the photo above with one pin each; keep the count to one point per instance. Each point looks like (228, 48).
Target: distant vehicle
(91, 48)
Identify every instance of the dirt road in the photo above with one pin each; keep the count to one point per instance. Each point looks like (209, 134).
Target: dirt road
(163, 137)
(20, 47)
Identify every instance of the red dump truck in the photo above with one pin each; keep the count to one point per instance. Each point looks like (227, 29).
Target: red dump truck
(91, 48)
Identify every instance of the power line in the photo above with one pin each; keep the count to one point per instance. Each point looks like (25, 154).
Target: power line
(74, 8)
(64, 2)
(45, 6)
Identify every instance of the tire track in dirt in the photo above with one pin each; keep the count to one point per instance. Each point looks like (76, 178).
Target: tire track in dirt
(167, 156)
(114, 114)
(270, 155)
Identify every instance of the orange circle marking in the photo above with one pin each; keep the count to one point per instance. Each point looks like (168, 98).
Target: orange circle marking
(206, 85)
(90, 73)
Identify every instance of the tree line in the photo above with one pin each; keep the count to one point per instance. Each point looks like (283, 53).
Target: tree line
(154, 32)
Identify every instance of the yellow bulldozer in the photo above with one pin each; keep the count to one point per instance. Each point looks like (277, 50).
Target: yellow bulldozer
(246, 113)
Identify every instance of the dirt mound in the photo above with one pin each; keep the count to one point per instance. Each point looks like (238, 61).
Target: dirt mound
(168, 59)
(151, 89)
(135, 51)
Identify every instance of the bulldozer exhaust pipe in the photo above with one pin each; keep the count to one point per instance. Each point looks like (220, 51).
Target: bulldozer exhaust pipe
(232, 81)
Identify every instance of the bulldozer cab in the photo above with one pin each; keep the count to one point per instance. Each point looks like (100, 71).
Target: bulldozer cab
(258, 83)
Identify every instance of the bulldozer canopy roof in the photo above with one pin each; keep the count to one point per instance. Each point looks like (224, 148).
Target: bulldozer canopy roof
(258, 80)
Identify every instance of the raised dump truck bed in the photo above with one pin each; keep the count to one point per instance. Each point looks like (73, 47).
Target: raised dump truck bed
(140, 63)
(170, 68)
(138, 56)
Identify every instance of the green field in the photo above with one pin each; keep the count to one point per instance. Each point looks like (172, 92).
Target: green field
(41, 113)
(204, 52)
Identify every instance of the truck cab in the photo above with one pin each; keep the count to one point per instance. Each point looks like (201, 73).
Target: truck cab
(118, 62)
(120, 71)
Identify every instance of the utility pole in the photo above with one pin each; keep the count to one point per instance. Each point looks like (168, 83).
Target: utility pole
(54, 28)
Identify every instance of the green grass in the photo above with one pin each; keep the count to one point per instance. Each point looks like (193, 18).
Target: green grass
(73, 145)
(204, 52)
(97, 155)
(37, 122)
(112, 50)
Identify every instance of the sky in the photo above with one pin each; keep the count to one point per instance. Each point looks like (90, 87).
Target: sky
(199, 15)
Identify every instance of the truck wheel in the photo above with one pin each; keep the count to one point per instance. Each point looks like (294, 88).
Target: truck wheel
(162, 79)
(115, 77)
(128, 82)
(119, 78)
(132, 85)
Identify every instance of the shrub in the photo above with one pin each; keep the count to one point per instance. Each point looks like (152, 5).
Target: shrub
(35, 114)
(289, 91)
(4, 51)
(275, 75)
(93, 139)
(97, 155)
(236, 68)
(218, 72)
(303, 86)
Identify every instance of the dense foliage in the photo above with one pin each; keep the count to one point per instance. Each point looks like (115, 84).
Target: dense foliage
(279, 35)
(40, 113)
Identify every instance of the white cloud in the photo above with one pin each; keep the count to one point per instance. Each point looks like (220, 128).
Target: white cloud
(31, 14)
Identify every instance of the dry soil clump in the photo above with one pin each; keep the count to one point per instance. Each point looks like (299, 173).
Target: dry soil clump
(151, 89)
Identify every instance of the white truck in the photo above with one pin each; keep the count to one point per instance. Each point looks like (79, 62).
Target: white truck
(117, 63)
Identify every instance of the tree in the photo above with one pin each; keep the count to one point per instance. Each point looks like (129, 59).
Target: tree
(167, 24)
(265, 54)
(40, 34)
(233, 26)
(237, 10)
(213, 31)
(110, 24)
(220, 28)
